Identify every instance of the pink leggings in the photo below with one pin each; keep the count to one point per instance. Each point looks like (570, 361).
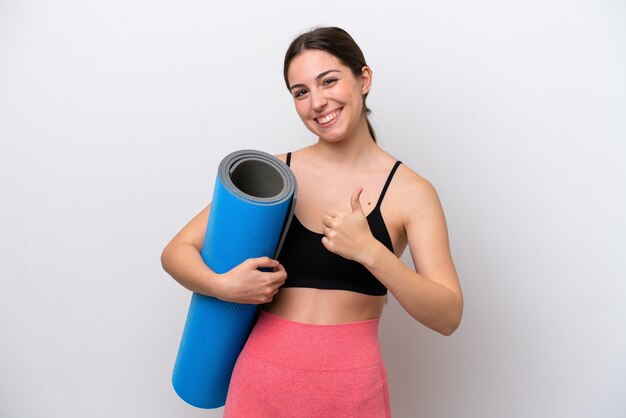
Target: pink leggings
(291, 369)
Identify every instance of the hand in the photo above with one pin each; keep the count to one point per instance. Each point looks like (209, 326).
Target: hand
(347, 233)
(245, 283)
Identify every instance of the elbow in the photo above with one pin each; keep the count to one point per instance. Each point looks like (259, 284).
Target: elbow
(449, 329)
(165, 257)
(452, 322)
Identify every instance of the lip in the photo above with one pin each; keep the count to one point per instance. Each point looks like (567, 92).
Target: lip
(332, 122)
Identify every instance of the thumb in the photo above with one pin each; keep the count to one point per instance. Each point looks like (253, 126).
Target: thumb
(355, 202)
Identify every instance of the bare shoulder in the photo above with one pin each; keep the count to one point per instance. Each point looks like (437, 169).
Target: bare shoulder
(414, 195)
(282, 157)
(412, 186)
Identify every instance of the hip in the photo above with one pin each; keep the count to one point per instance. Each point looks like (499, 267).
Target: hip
(292, 369)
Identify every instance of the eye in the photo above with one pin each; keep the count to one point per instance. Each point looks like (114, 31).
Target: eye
(299, 93)
(329, 81)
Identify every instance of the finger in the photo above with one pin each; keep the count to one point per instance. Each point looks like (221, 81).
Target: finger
(328, 221)
(261, 262)
(326, 243)
(277, 276)
(355, 202)
(280, 268)
(274, 292)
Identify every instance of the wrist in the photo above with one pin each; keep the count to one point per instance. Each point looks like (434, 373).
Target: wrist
(371, 257)
(214, 284)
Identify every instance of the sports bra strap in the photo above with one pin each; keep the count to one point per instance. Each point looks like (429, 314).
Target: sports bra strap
(288, 158)
(393, 171)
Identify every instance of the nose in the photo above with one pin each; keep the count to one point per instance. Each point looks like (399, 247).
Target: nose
(318, 100)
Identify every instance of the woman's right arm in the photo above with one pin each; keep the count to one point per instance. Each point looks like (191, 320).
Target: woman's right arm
(244, 283)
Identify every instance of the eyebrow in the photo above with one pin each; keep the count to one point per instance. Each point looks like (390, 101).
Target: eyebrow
(320, 75)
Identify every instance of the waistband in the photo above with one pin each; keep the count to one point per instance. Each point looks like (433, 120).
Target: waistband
(302, 346)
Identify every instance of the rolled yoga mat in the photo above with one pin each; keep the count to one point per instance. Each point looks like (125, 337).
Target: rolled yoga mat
(253, 203)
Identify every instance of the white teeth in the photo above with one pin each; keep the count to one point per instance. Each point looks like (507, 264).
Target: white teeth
(329, 117)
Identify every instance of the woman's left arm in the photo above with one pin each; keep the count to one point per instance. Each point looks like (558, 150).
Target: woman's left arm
(431, 294)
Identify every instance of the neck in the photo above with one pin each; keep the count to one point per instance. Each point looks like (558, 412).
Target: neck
(349, 150)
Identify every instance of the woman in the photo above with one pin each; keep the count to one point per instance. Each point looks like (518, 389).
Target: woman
(314, 350)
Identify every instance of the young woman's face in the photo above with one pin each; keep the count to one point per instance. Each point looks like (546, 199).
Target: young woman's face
(327, 95)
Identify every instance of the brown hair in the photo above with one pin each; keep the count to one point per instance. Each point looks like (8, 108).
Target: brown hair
(337, 42)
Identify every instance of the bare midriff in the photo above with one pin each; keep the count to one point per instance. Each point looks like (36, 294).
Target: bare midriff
(324, 307)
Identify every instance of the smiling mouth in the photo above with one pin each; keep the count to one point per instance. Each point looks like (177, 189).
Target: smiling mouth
(326, 119)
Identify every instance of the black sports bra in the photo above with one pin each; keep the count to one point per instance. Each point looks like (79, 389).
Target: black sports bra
(309, 264)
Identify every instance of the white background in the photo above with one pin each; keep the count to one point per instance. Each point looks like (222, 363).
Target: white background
(114, 116)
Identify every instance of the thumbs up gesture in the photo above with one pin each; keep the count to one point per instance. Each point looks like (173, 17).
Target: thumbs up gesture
(347, 233)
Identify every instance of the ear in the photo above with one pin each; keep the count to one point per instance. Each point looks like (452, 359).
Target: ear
(366, 79)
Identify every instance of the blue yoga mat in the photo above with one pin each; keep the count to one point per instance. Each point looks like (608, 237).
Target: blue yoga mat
(253, 203)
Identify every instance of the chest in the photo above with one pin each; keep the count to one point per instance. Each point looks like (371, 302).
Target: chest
(318, 192)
